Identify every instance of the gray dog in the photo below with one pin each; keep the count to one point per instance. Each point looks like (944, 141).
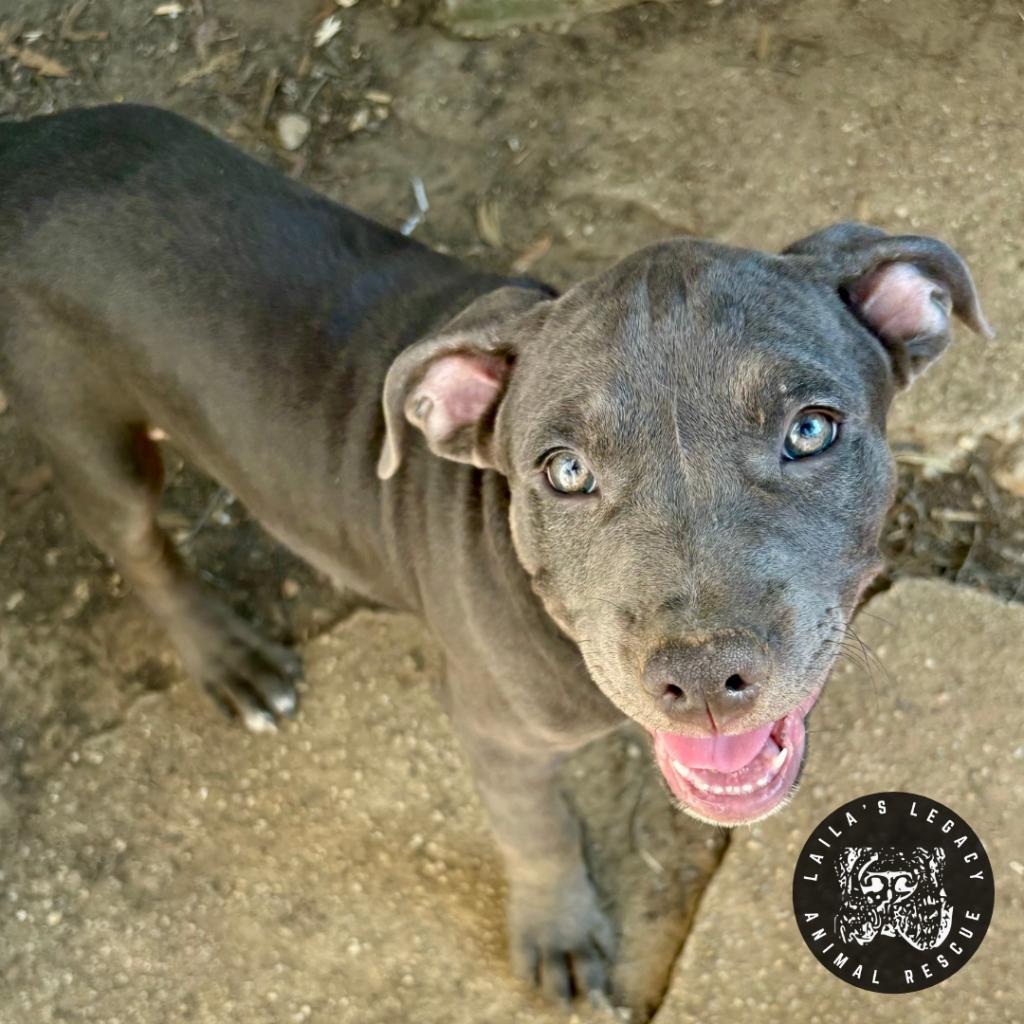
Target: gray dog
(656, 497)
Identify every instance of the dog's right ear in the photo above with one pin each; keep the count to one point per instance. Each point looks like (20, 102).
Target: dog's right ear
(450, 385)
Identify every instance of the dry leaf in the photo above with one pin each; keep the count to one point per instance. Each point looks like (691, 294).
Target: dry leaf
(37, 61)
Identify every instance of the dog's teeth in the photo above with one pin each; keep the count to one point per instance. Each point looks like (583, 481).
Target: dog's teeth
(779, 760)
(748, 787)
(683, 772)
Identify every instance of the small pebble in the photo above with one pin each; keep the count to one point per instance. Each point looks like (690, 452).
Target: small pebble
(359, 120)
(292, 130)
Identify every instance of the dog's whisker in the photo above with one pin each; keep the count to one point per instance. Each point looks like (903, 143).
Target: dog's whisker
(869, 662)
(854, 658)
(873, 615)
(870, 653)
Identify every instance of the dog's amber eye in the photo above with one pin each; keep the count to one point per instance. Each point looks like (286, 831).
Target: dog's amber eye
(810, 434)
(568, 474)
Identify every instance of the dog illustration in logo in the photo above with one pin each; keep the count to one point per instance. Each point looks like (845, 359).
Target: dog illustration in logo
(891, 891)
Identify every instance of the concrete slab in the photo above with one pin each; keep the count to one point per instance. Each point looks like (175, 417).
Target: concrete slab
(943, 719)
(175, 868)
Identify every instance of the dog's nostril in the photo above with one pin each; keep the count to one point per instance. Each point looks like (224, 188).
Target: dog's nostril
(735, 684)
(671, 690)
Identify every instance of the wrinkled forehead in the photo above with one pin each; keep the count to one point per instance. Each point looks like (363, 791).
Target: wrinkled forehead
(720, 330)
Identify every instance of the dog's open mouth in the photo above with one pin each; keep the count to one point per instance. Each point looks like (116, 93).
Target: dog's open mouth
(734, 780)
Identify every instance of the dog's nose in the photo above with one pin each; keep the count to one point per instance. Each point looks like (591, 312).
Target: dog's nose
(721, 677)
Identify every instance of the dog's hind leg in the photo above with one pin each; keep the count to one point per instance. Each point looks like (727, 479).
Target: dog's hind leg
(110, 474)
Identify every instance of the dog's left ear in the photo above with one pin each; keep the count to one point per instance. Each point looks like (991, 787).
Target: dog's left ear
(450, 385)
(903, 288)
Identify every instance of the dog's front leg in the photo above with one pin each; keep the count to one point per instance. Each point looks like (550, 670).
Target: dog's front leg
(560, 939)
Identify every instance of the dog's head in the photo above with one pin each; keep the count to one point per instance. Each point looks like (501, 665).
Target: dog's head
(694, 443)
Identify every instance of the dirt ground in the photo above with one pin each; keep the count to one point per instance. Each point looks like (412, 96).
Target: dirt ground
(552, 150)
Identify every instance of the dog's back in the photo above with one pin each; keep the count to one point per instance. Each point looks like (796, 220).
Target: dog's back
(154, 277)
(128, 186)
(167, 274)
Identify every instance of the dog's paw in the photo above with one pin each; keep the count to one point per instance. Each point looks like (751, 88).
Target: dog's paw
(248, 677)
(562, 942)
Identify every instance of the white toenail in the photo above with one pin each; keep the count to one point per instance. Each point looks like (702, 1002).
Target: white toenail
(259, 721)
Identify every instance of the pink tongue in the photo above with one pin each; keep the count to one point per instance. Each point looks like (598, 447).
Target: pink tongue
(723, 753)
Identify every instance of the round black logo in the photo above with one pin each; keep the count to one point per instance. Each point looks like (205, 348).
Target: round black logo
(893, 892)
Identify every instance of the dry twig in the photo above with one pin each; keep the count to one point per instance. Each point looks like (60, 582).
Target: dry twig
(71, 34)
(227, 61)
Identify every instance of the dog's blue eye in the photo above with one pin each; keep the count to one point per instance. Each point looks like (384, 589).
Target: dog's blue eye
(810, 434)
(568, 474)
